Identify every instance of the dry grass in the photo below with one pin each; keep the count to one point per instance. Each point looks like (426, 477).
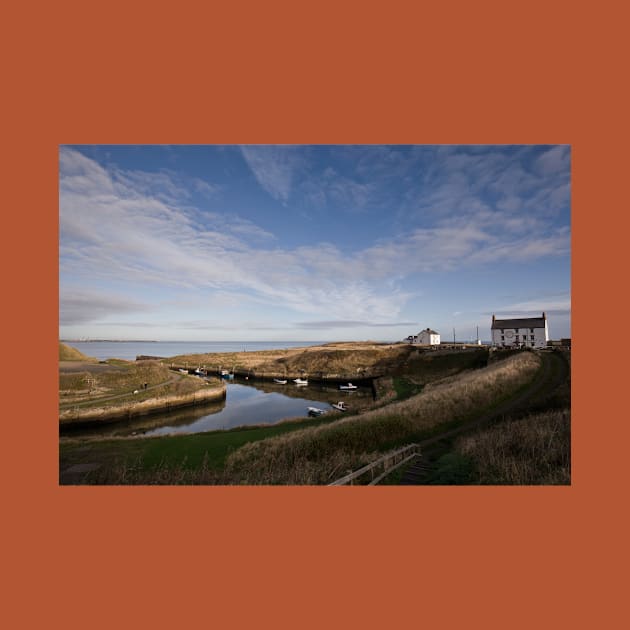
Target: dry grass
(157, 400)
(102, 395)
(346, 359)
(68, 353)
(532, 450)
(319, 454)
(75, 387)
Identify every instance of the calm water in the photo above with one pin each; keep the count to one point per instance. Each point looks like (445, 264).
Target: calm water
(130, 349)
(246, 403)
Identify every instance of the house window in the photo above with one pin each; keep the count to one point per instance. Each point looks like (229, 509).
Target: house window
(532, 337)
(531, 330)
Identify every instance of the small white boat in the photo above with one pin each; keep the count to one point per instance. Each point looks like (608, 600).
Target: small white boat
(300, 381)
(280, 381)
(348, 386)
(183, 371)
(340, 406)
(315, 411)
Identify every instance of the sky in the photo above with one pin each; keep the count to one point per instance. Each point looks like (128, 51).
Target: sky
(311, 242)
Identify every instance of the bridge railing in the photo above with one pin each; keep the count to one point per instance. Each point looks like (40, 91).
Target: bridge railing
(379, 469)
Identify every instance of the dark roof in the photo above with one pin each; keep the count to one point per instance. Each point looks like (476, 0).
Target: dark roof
(525, 322)
(428, 330)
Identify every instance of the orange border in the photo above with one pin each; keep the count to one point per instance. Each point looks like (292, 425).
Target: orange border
(280, 72)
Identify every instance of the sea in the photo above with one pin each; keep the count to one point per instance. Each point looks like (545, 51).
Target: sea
(129, 350)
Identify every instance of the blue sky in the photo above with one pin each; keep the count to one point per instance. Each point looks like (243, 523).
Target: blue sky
(311, 242)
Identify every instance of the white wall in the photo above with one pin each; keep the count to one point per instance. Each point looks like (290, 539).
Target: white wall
(541, 336)
(427, 338)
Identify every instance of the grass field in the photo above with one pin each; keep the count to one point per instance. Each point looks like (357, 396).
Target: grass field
(197, 458)
(432, 397)
(318, 455)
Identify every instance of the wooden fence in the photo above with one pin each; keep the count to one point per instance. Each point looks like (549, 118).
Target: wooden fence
(379, 469)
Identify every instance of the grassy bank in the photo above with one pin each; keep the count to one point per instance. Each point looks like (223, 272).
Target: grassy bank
(342, 361)
(126, 389)
(334, 361)
(318, 455)
(159, 400)
(532, 450)
(452, 394)
(68, 353)
(197, 458)
(88, 386)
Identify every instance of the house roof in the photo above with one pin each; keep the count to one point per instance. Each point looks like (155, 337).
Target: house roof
(524, 322)
(428, 330)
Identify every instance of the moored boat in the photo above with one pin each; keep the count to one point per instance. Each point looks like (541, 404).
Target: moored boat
(340, 406)
(280, 381)
(300, 381)
(348, 386)
(316, 411)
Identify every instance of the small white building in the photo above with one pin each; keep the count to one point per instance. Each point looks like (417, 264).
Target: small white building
(531, 332)
(428, 337)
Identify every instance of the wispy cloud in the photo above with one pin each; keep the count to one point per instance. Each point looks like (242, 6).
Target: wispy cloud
(80, 306)
(274, 167)
(324, 325)
(142, 229)
(552, 305)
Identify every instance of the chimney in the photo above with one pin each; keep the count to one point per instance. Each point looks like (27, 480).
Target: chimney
(544, 316)
(493, 318)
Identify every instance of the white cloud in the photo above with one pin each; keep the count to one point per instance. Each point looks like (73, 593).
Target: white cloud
(340, 323)
(553, 304)
(115, 229)
(80, 306)
(274, 167)
(555, 160)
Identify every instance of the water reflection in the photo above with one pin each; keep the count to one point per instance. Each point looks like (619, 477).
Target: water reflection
(246, 403)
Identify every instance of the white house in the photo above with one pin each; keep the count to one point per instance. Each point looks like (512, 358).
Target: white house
(429, 337)
(531, 332)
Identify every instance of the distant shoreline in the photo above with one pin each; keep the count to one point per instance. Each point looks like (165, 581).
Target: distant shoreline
(195, 341)
(109, 341)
